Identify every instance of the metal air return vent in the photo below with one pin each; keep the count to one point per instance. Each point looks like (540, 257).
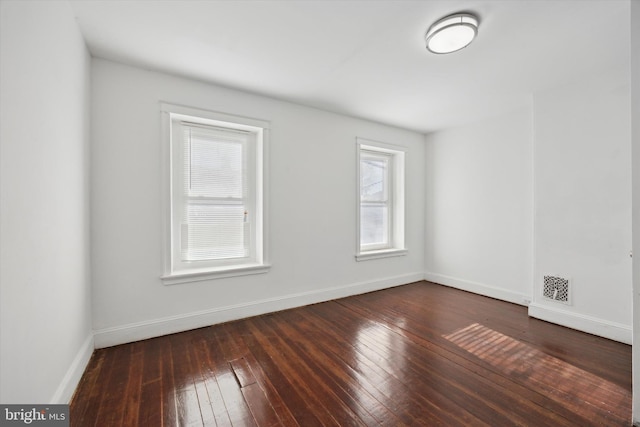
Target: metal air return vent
(557, 288)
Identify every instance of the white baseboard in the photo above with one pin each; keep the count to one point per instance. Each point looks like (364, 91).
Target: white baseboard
(478, 288)
(592, 325)
(70, 381)
(154, 328)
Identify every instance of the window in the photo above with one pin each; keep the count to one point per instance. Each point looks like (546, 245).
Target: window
(380, 200)
(216, 215)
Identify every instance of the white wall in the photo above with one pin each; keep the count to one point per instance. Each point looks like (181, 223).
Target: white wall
(45, 335)
(543, 192)
(582, 180)
(479, 207)
(312, 208)
(635, 142)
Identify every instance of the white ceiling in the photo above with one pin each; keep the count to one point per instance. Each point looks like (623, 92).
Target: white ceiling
(366, 58)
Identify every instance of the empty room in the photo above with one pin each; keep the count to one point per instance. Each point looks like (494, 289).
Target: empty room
(319, 213)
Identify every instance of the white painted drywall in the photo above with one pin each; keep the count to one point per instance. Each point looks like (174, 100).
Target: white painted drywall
(540, 192)
(582, 181)
(479, 207)
(312, 208)
(635, 143)
(45, 335)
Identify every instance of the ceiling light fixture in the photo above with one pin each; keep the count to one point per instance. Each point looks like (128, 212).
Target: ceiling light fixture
(452, 33)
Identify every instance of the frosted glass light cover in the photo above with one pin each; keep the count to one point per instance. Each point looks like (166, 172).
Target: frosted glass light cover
(452, 33)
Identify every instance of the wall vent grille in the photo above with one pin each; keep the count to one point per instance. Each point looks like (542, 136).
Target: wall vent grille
(557, 288)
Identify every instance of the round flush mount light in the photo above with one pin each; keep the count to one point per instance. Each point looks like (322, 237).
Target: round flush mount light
(452, 33)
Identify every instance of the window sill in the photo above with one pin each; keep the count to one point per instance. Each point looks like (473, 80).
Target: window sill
(385, 253)
(212, 274)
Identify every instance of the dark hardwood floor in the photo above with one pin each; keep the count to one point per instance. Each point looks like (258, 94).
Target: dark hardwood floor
(419, 354)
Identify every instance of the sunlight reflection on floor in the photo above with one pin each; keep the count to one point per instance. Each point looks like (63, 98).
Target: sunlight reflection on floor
(387, 349)
(541, 371)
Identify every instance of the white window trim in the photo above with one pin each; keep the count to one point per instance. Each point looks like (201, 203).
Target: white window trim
(173, 276)
(397, 192)
(384, 253)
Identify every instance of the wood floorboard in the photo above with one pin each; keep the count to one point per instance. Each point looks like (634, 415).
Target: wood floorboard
(114, 392)
(311, 355)
(237, 408)
(535, 368)
(419, 354)
(85, 411)
(473, 383)
(341, 368)
(134, 384)
(579, 407)
(150, 410)
(186, 397)
(279, 406)
(258, 402)
(562, 344)
(319, 398)
(437, 379)
(386, 361)
(168, 407)
(202, 349)
(274, 363)
(196, 374)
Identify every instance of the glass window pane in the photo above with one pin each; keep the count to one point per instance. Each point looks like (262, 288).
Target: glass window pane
(374, 224)
(373, 177)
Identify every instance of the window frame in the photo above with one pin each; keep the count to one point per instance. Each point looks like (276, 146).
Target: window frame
(395, 183)
(174, 198)
(386, 201)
